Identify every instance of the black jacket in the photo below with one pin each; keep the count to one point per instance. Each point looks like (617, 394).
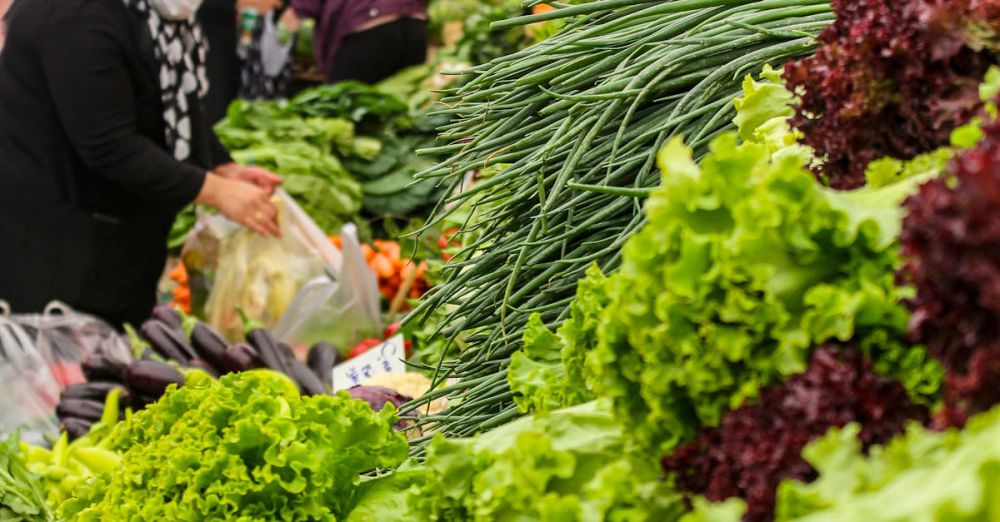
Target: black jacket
(88, 190)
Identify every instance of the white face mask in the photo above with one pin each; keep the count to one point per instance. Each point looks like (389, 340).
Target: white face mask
(175, 9)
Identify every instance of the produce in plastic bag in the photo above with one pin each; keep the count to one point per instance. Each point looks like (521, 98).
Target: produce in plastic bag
(40, 355)
(66, 337)
(261, 275)
(339, 307)
(28, 391)
(201, 252)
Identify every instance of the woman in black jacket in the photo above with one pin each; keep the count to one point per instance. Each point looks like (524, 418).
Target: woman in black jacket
(103, 139)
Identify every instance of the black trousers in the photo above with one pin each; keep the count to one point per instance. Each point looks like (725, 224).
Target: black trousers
(375, 54)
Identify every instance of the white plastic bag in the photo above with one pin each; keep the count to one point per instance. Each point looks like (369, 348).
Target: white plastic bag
(65, 337)
(262, 275)
(274, 55)
(28, 391)
(40, 354)
(340, 307)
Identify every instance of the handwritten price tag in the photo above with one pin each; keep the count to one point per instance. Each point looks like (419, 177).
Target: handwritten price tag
(384, 358)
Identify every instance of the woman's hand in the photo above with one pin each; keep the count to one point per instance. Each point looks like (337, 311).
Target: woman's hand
(243, 202)
(290, 20)
(263, 178)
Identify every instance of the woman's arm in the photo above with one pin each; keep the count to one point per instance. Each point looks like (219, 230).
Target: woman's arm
(83, 59)
(85, 69)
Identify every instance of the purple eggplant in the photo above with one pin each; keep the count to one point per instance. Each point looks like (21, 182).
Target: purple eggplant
(80, 408)
(242, 357)
(95, 391)
(152, 377)
(309, 383)
(75, 427)
(205, 367)
(210, 346)
(167, 342)
(268, 350)
(99, 367)
(169, 316)
(321, 359)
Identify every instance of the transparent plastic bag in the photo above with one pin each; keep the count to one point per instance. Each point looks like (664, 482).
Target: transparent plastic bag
(28, 391)
(66, 337)
(261, 275)
(40, 354)
(339, 307)
(200, 255)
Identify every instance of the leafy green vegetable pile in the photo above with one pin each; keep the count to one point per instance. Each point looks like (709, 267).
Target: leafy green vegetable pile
(480, 43)
(746, 265)
(569, 465)
(246, 446)
(340, 147)
(922, 476)
(21, 497)
(576, 122)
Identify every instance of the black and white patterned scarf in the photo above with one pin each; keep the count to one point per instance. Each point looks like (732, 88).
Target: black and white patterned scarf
(179, 50)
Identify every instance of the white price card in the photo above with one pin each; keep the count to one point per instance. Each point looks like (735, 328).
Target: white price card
(384, 358)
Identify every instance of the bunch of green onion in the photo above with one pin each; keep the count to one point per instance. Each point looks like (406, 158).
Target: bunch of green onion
(574, 123)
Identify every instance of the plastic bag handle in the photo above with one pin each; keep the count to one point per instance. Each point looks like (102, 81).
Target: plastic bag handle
(4, 308)
(57, 307)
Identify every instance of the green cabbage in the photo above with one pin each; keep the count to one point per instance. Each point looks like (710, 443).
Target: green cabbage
(246, 447)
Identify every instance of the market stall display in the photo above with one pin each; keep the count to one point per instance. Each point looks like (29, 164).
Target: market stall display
(664, 261)
(573, 124)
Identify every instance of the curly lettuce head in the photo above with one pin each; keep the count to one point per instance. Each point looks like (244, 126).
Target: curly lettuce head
(569, 465)
(922, 476)
(246, 447)
(747, 264)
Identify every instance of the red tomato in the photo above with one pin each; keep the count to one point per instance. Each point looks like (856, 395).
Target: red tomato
(363, 347)
(391, 330)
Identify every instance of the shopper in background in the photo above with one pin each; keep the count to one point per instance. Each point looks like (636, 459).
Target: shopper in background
(265, 52)
(364, 40)
(103, 139)
(220, 25)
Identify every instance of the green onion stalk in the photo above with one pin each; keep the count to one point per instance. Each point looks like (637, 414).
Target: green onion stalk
(571, 127)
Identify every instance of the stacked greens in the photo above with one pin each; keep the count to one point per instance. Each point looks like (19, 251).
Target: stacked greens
(20, 495)
(922, 476)
(746, 265)
(570, 465)
(587, 107)
(341, 149)
(247, 445)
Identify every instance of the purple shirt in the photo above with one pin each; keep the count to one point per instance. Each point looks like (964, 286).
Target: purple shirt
(335, 19)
